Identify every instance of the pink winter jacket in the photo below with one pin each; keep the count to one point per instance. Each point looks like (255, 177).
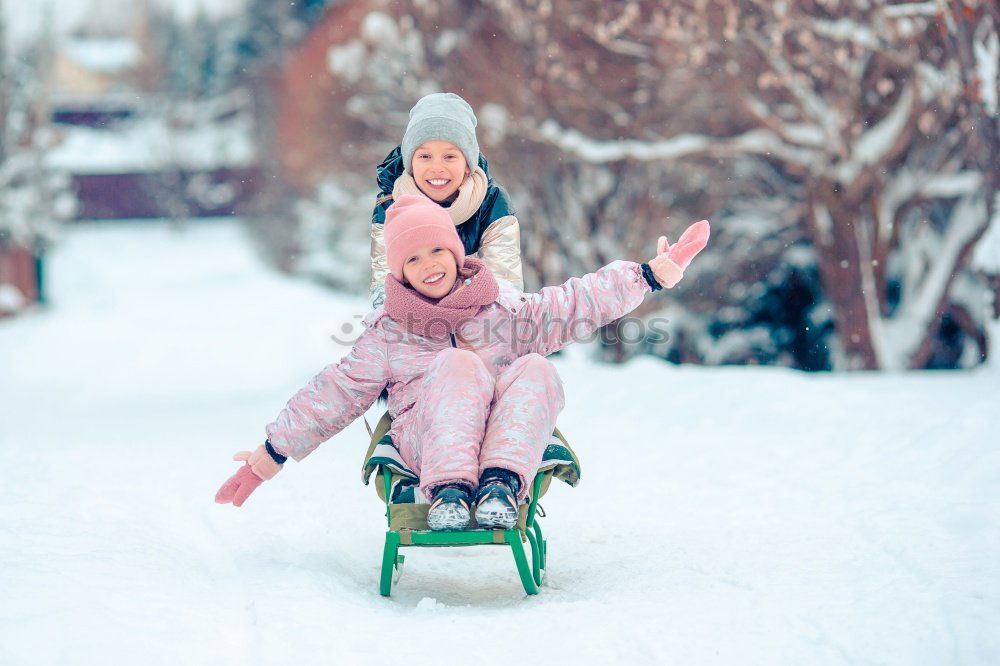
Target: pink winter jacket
(386, 354)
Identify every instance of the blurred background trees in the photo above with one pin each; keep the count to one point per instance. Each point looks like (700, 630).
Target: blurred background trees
(845, 152)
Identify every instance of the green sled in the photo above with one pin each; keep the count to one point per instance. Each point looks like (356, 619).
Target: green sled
(395, 485)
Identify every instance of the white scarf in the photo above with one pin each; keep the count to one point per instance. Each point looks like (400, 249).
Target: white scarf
(470, 194)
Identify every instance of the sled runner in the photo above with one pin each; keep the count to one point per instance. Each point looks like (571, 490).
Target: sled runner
(406, 509)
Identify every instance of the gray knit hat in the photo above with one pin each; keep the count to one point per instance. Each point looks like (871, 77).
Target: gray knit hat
(443, 116)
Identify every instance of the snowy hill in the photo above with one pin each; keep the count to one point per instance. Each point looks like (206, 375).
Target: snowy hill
(726, 515)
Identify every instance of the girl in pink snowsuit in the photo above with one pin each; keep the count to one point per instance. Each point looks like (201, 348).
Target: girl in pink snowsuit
(472, 397)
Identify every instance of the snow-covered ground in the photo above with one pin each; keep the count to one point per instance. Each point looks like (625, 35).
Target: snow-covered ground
(726, 515)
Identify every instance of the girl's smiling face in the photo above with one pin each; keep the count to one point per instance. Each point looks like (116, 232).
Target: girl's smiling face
(431, 271)
(439, 168)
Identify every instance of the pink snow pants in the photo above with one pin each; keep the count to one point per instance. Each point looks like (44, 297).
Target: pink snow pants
(466, 420)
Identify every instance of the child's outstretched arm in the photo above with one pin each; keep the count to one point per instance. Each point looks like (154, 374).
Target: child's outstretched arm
(556, 316)
(333, 399)
(326, 405)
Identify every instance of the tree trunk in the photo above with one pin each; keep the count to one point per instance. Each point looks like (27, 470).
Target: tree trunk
(831, 223)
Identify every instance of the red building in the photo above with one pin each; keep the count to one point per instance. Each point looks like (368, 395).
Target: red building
(20, 279)
(309, 123)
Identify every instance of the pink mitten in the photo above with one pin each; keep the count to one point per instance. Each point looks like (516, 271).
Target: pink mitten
(670, 261)
(692, 241)
(259, 467)
(238, 487)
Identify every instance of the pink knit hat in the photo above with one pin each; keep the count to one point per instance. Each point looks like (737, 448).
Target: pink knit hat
(413, 222)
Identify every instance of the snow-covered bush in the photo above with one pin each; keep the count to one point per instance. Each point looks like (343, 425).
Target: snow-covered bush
(34, 197)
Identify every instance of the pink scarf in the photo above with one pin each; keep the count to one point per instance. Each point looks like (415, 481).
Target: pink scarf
(437, 318)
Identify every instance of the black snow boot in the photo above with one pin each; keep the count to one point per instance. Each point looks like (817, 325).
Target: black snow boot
(496, 501)
(450, 508)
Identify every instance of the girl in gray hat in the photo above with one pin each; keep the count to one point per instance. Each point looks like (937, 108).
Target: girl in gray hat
(439, 158)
